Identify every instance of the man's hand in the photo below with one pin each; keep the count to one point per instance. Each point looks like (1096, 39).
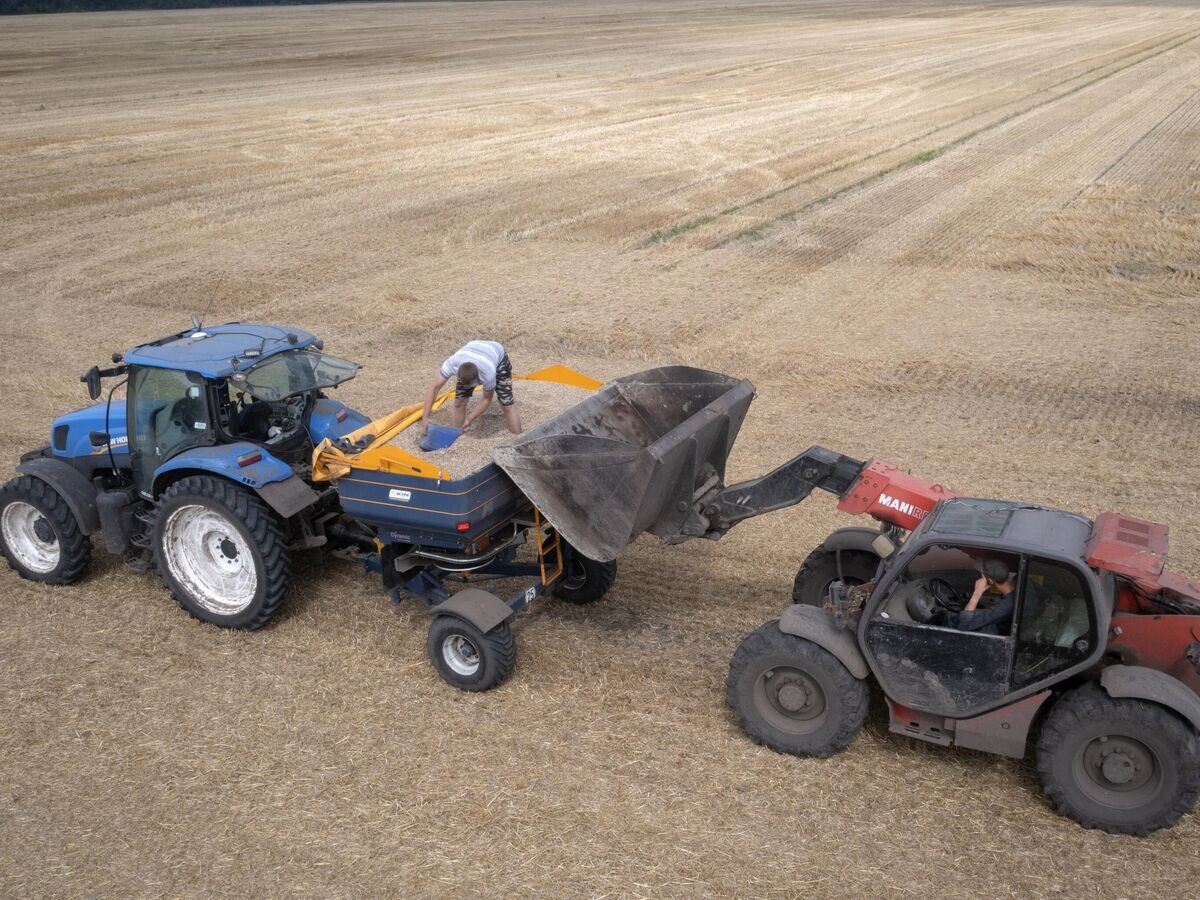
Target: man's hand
(424, 427)
(981, 586)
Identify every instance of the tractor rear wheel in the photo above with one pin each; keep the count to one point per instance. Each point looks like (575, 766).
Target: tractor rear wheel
(1124, 766)
(221, 552)
(820, 570)
(39, 535)
(469, 659)
(584, 580)
(794, 696)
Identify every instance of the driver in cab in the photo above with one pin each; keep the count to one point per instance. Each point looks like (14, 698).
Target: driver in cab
(997, 618)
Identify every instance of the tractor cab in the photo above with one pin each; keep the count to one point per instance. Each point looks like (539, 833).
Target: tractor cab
(243, 388)
(1048, 627)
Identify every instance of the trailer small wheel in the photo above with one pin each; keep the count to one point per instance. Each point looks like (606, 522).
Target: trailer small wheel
(39, 535)
(820, 570)
(794, 696)
(584, 580)
(469, 659)
(1122, 765)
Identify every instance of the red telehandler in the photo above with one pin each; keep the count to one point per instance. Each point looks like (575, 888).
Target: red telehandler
(1094, 657)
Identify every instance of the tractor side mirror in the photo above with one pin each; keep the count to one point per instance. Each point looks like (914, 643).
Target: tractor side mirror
(98, 438)
(884, 547)
(92, 379)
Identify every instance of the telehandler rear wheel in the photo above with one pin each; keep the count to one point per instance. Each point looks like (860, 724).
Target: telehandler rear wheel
(792, 695)
(1121, 765)
(39, 535)
(469, 659)
(820, 570)
(221, 552)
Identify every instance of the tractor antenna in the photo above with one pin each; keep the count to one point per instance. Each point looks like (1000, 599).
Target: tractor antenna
(198, 320)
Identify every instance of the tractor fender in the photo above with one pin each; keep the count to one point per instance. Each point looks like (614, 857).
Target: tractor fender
(1158, 687)
(269, 477)
(853, 538)
(483, 610)
(817, 625)
(72, 485)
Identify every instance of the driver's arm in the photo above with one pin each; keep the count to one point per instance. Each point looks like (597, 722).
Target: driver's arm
(981, 586)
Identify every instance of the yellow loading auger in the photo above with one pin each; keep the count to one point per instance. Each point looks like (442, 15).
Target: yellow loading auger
(368, 449)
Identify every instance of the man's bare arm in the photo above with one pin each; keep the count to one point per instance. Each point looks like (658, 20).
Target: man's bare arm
(431, 395)
(479, 409)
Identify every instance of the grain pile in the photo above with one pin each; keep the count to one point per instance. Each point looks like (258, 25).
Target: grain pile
(536, 401)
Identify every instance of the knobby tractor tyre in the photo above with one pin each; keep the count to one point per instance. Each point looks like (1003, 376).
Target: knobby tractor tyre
(794, 696)
(469, 659)
(39, 535)
(584, 580)
(1121, 765)
(820, 570)
(221, 552)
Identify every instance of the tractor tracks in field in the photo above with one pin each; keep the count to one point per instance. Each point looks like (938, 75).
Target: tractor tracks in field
(1143, 54)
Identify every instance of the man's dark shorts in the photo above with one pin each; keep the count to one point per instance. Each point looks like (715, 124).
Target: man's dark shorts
(504, 390)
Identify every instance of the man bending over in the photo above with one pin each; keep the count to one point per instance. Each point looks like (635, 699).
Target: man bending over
(479, 363)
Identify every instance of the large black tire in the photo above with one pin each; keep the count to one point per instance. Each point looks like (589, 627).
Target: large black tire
(469, 659)
(584, 580)
(205, 527)
(794, 696)
(47, 544)
(1124, 766)
(821, 569)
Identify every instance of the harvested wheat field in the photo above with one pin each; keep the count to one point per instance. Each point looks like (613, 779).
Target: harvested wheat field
(960, 236)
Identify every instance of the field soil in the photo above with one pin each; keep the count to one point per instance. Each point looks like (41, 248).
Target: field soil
(960, 236)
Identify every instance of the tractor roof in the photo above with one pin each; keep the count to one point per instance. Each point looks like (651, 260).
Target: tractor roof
(217, 351)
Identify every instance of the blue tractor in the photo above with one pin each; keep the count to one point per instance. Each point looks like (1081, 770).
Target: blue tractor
(204, 473)
(199, 471)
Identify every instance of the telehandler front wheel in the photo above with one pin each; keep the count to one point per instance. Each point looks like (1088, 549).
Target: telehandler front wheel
(1124, 766)
(221, 552)
(39, 535)
(469, 659)
(820, 570)
(794, 696)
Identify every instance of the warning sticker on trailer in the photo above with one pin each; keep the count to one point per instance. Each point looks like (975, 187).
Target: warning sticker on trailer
(397, 494)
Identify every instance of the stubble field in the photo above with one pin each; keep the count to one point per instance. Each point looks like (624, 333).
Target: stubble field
(960, 236)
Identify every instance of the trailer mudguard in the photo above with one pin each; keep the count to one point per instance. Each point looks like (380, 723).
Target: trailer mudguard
(72, 486)
(1141, 683)
(817, 625)
(853, 538)
(483, 610)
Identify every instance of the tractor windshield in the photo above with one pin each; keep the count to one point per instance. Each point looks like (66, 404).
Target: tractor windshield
(294, 372)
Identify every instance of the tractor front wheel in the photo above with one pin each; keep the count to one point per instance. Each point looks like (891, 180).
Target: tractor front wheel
(820, 570)
(469, 659)
(794, 696)
(221, 552)
(39, 535)
(1121, 765)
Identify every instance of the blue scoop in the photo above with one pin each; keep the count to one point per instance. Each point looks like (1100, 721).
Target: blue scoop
(439, 437)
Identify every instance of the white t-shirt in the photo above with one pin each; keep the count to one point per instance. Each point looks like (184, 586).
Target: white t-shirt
(486, 355)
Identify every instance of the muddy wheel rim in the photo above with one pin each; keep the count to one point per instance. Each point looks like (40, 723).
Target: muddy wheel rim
(460, 654)
(1118, 771)
(575, 576)
(30, 538)
(790, 699)
(210, 560)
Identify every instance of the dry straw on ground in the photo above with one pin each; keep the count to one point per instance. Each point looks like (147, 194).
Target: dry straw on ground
(960, 236)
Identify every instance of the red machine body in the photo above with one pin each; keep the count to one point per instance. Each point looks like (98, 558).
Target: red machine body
(885, 493)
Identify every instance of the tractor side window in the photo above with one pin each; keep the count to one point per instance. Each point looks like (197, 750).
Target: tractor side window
(169, 414)
(937, 584)
(1055, 626)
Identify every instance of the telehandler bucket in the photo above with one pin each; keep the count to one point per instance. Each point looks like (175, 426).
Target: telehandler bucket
(631, 458)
